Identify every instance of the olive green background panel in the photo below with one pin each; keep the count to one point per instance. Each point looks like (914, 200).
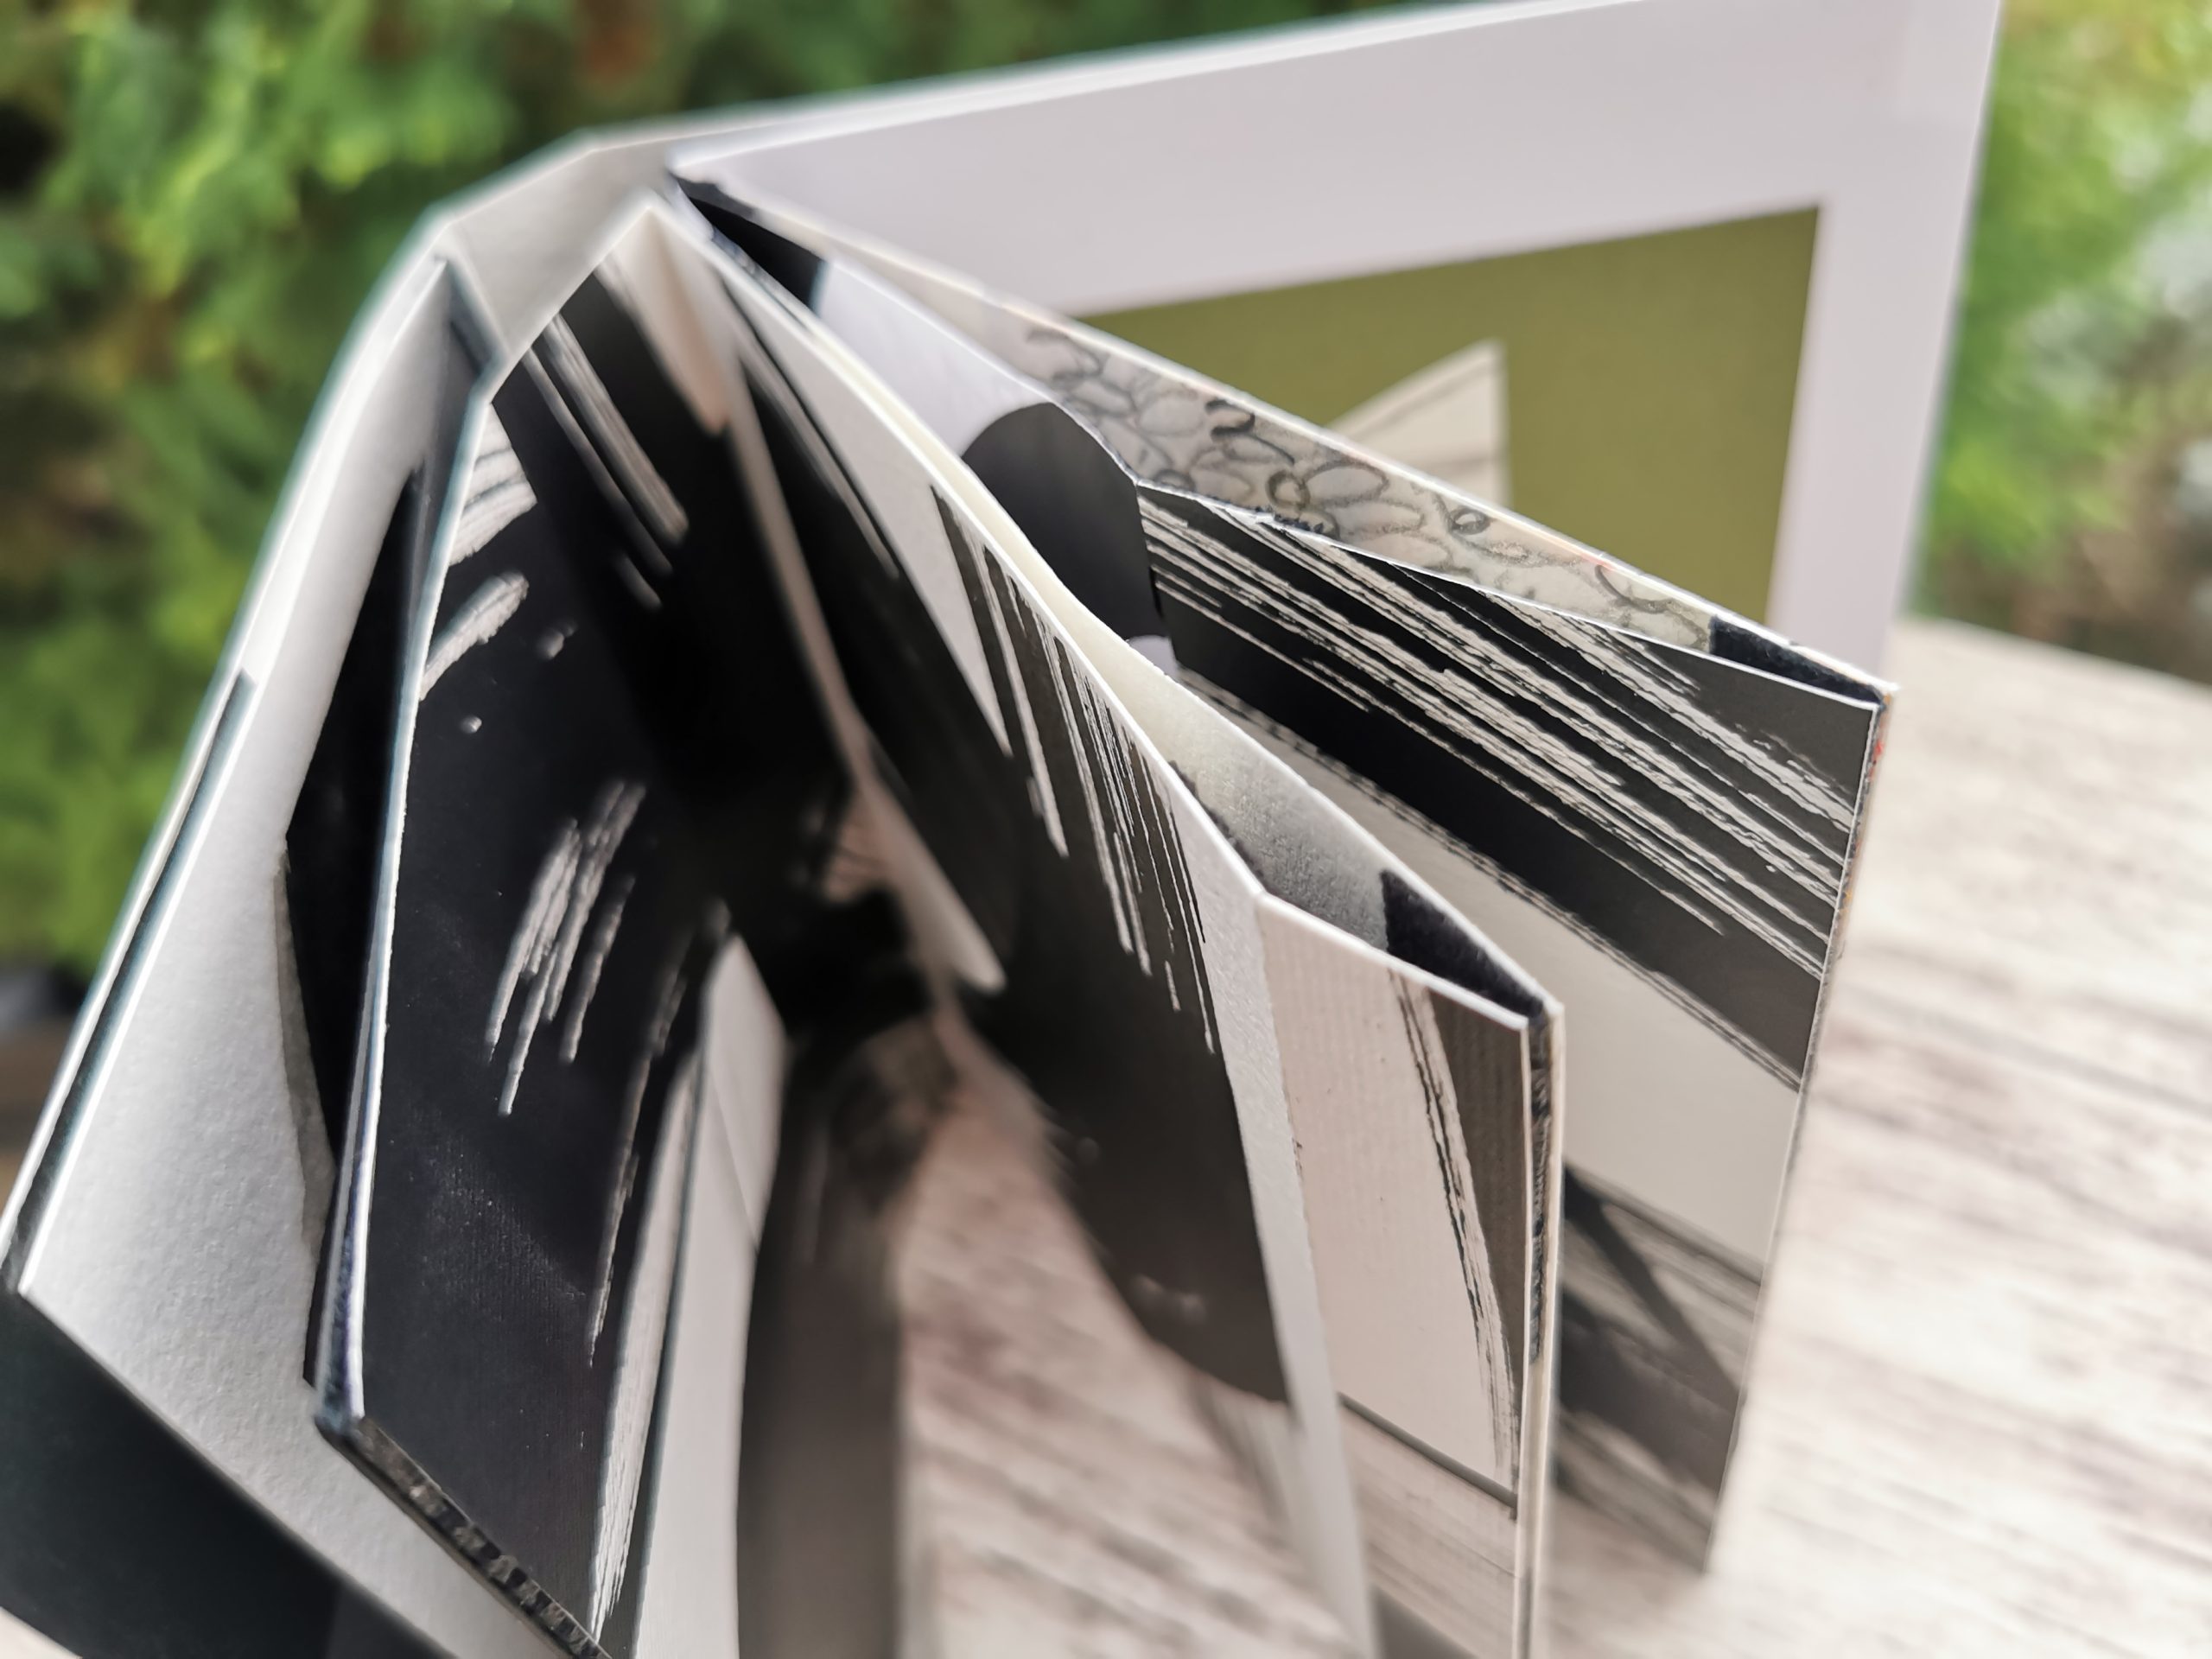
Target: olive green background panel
(1648, 380)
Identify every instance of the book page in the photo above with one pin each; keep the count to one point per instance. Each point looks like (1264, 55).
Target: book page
(1660, 832)
(1134, 1002)
(615, 773)
(186, 1183)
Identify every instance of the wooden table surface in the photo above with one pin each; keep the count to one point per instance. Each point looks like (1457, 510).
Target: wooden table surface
(1980, 1416)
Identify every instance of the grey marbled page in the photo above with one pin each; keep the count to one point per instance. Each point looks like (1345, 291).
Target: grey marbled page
(1177, 430)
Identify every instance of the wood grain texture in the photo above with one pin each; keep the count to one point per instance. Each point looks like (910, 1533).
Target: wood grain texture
(1980, 1416)
(1073, 1500)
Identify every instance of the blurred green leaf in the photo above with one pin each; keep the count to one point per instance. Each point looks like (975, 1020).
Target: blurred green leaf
(2097, 147)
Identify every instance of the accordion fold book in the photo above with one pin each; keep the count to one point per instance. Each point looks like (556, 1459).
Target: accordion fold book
(726, 687)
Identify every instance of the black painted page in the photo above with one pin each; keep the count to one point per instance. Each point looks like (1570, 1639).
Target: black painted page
(614, 765)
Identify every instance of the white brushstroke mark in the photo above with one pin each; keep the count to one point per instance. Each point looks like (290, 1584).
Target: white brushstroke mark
(1476, 707)
(544, 949)
(527, 957)
(668, 1003)
(496, 493)
(640, 481)
(487, 611)
(1041, 798)
(633, 579)
(1125, 797)
(533, 1015)
(551, 642)
(635, 534)
(1072, 723)
(547, 894)
(472, 724)
(612, 816)
(602, 941)
(637, 1357)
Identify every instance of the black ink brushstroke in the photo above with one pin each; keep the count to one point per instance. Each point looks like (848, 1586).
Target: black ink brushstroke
(334, 840)
(1125, 1059)
(496, 1275)
(1078, 508)
(1120, 1051)
(935, 750)
(1484, 1064)
(1268, 662)
(333, 843)
(796, 269)
(1420, 932)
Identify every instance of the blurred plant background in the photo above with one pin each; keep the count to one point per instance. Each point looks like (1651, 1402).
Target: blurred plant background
(195, 198)
(2073, 495)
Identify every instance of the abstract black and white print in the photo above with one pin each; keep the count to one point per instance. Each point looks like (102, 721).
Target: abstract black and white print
(1430, 1327)
(1729, 797)
(1174, 428)
(1133, 989)
(792, 672)
(1696, 824)
(1662, 837)
(593, 808)
(1059, 841)
(1654, 810)
(1415, 1065)
(627, 757)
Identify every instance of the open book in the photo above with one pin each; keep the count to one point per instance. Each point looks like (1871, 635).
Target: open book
(690, 734)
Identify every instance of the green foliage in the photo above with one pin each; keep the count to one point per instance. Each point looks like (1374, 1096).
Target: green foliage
(195, 196)
(2098, 144)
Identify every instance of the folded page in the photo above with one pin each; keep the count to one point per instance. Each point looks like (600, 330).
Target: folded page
(171, 1223)
(615, 774)
(1418, 1070)
(1661, 831)
(1134, 1002)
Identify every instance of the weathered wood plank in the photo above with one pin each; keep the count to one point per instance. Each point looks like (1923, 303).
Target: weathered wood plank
(1073, 1501)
